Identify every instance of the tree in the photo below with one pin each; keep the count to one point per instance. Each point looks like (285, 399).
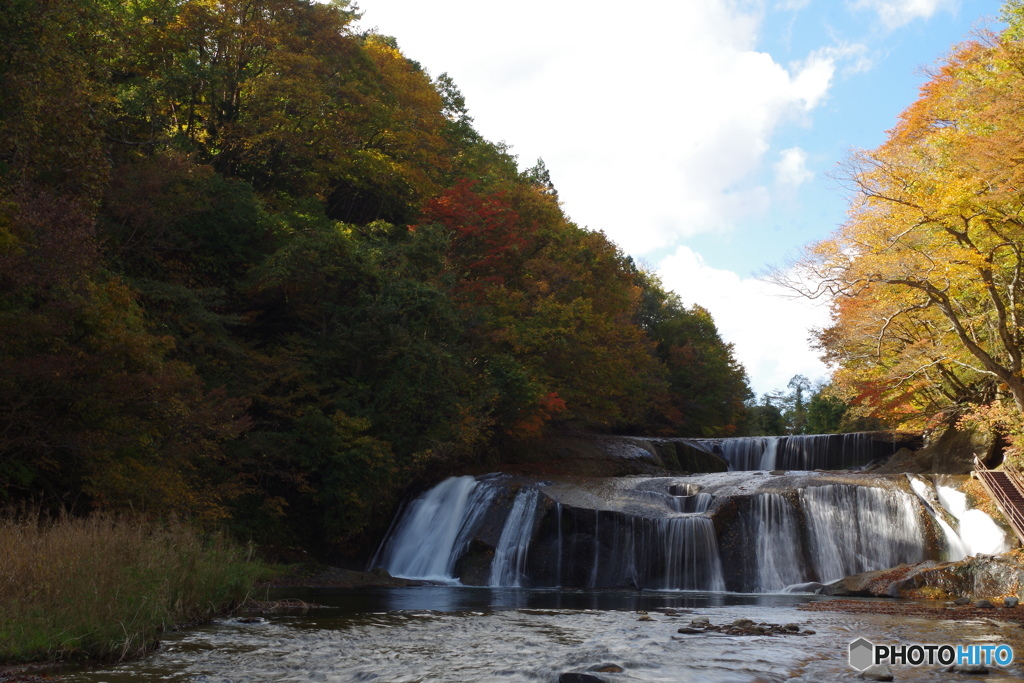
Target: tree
(925, 275)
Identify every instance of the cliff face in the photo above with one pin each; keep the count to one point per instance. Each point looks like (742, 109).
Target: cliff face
(606, 456)
(951, 452)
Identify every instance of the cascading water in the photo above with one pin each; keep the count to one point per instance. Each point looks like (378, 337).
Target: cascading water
(955, 549)
(435, 529)
(779, 555)
(689, 498)
(800, 452)
(976, 529)
(670, 553)
(854, 529)
(509, 565)
(726, 531)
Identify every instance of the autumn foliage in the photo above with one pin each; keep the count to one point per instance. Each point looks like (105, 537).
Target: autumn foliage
(258, 267)
(925, 275)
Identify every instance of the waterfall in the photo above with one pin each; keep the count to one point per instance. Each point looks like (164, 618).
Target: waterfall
(801, 452)
(660, 534)
(854, 529)
(435, 530)
(689, 498)
(558, 521)
(670, 553)
(509, 565)
(779, 554)
(955, 548)
(977, 530)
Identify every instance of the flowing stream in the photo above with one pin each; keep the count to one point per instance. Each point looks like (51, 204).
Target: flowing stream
(534, 578)
(454, 634)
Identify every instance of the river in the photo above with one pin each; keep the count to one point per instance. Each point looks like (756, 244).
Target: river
(452, 633)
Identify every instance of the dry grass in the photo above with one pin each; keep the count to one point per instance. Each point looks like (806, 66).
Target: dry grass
(104, 587)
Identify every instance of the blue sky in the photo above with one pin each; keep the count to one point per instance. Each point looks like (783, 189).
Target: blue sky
(698, 135)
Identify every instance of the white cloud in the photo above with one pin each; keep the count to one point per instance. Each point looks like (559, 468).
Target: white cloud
(897, 13)
(792, 5)
(791, 169)
(654, 121)
(769, 328)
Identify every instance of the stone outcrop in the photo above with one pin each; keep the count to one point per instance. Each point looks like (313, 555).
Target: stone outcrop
(974, 578)
(607, 456)
(952, 452)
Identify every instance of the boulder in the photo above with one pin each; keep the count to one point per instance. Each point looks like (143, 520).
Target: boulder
(953, 452)
(577, 677)
(877, 672)
(968, 579)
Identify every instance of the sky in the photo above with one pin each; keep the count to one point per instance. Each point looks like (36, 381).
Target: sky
(698, 135)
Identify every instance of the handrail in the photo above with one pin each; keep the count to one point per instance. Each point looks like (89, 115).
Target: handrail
(1001, 497)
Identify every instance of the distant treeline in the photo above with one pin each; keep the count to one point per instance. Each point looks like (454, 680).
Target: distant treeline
(258, 267)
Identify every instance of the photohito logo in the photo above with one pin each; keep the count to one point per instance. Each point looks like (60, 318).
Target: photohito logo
(864, 653)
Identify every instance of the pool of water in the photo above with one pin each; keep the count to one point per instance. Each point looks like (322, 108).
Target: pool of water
(445, 633)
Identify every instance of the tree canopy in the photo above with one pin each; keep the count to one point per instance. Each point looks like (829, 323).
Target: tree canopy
(925, 275)
(258, 266)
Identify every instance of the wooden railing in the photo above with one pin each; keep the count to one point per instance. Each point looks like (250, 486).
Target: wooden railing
(1006, 489)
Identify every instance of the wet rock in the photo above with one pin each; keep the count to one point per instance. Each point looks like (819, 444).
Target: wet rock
(973, 669)
(1011, 601)
(700, 621)
(792, 628)
(743, 623)
(968, 578)
(611, 456)
(983, 603)
(690, 629)
(808, 632)
(607, 668)
(575, 677)
(877, 672)
(644, 617)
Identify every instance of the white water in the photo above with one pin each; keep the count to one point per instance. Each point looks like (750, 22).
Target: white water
(854, 529)
(798, 452)
(955, 548)
(776, 531)
(977, 530)
(509, 565)
(435, 530)
(823, 534)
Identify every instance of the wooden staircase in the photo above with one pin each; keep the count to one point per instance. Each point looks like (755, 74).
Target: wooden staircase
(1007, 491)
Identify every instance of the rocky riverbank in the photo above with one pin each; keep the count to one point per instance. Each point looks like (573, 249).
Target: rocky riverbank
(983, 577)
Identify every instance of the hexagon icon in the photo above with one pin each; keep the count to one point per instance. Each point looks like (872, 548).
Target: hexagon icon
(862, 654)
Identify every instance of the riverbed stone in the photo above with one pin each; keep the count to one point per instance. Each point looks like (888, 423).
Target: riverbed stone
(700, 621)
(579, 677)
(877, 672)
(607, 668)
(962, 601)
(1011, 601)
(984, 603)
(972, 669)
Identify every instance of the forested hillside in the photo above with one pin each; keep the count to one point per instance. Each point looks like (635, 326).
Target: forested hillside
(259, 267)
